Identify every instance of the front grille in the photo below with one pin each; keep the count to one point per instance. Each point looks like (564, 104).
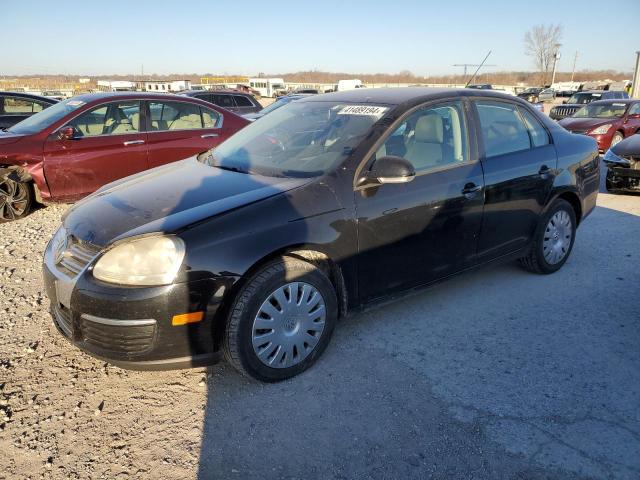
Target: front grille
(562, 112)
(116, 339)
(64, 320)
(76, 256)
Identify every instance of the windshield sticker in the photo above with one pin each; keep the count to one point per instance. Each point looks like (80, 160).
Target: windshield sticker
(363, 110)
(75, 103)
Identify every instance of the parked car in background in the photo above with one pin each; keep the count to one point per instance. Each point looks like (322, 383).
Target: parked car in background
(232, 100)
(15, 107)
(253, 250)
(280, 102)
(538, 94)
(623, 166)
(57, 94)
(577, 100)
(74, 147)
(607, 121)
(481, 86)
(308, 91)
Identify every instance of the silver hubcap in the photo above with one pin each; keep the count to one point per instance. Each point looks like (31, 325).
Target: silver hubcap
(557, 237)
(13, 199)
(615, 140)
(288, 325)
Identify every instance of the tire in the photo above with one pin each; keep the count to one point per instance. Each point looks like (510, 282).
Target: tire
(16, 199)
(543, 255)
(266, 333)
(617, 138)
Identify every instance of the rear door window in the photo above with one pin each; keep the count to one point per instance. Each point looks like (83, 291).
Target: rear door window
(167, 116)
(210, 118)
(242, 101)
(503, 130)
(539, 136)
(225, 101)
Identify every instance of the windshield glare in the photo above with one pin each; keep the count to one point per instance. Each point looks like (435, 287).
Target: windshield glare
(611, 110)
(41, 120)
(301, 139)
(583, 98)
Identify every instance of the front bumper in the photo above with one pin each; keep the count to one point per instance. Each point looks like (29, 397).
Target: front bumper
(131, 327)
(623, 179)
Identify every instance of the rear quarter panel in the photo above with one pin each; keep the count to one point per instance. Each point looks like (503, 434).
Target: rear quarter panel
(578, 168)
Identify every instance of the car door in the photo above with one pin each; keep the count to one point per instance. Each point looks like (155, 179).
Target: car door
(16, 109)
(519, 163)
(631, 123)
(178, 130)
(413, 233)
(108, 144)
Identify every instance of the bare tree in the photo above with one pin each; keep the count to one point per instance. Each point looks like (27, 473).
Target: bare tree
(541, 43)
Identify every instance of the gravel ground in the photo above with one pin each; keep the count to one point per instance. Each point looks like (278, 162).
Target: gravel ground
(495, 374)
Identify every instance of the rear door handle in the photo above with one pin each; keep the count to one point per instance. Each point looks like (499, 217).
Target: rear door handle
(471, 189)
(209, 135)
(133, 142)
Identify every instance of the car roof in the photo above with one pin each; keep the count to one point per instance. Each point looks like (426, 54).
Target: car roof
(92, 97)
(28, 95)
(217, 90)
(400, 95)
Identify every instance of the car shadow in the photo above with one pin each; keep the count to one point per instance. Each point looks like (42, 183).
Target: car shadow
(496, 373)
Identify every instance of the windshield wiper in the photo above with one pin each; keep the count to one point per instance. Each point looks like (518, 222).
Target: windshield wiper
(231, 169)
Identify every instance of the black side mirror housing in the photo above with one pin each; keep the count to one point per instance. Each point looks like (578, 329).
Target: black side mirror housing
(390, 169)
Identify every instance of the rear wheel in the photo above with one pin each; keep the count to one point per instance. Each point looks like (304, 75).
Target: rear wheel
(553, 239)
(281, 321)
(15, 199)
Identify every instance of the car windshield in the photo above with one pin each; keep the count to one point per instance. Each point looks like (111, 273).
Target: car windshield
(41, 120)
(301, 139)
(608, 110)
(583, 98)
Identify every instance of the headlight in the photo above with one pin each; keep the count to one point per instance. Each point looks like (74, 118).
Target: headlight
(601, 130)
(612, 159)
(142, 261)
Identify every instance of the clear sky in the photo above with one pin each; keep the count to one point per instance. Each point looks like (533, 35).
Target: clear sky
(246, 37)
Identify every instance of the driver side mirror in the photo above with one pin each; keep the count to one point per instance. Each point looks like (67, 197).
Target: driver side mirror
(390, 169)
(66, 133)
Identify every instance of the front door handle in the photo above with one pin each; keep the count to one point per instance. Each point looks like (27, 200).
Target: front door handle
(209, 135)
(471, 189)
(133, 142)
(544, 171)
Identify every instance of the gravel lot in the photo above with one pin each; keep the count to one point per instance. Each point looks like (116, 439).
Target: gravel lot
(495, 374)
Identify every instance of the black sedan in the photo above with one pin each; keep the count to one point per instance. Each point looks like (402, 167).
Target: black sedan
(16, 106)
(331, 202)
(623, 166)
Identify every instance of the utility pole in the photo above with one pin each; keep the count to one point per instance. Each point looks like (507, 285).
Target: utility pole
(635, 90)
(575, 59)
(556, 57)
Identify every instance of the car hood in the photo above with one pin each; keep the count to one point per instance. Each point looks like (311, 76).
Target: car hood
(7, 138)
(629, 147)
(167, 199)
(584, 124)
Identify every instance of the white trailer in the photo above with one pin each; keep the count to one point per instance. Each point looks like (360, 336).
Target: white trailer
(349, 84)
(267, 87)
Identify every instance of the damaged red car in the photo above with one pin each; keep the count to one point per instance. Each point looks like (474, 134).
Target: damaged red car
(75, 147)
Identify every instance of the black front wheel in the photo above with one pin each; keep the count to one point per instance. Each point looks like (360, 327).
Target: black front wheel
(281, 320)
(15, 199)
(553, 240)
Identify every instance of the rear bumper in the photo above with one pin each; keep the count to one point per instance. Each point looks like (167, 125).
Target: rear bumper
(132, 327)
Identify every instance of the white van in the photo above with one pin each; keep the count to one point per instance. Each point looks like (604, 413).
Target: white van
(349, 85)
